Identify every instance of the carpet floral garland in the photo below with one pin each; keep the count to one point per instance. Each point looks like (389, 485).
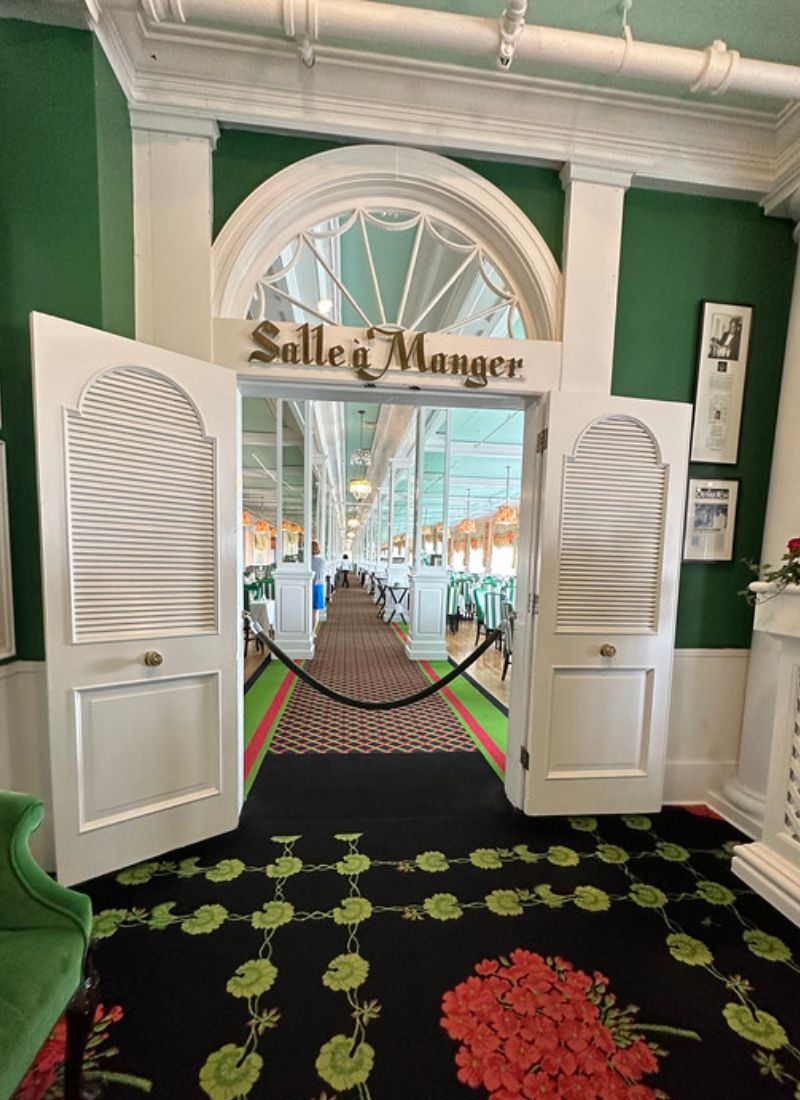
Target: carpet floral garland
(345, 1062)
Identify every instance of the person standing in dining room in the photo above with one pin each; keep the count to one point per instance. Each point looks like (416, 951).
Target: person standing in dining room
(318, 582)
(344, 569)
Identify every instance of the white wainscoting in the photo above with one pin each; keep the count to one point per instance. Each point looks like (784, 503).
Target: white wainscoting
(702, 748)
(24, 762)
(705, 724)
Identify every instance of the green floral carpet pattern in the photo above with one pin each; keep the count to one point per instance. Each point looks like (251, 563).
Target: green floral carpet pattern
(323, 969)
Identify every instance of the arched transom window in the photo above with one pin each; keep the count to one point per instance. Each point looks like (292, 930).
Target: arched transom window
(387, 236)
(371, 265)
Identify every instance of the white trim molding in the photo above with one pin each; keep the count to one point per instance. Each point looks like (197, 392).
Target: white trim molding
(24, 752)
(7, 640)
(318, 187)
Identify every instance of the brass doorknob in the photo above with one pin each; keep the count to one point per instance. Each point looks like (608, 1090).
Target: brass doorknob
(607, 650)
(153, 658)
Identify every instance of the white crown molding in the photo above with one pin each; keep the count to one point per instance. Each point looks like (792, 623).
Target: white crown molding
(242, 80)
(170, 122)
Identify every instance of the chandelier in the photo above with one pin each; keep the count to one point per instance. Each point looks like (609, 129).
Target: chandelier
(246, 520)
(507, 514)
(262, 527)
(360, 488)
(361, 456)
(467, 525)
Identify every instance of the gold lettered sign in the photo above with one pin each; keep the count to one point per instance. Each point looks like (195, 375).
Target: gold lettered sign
(379, 350)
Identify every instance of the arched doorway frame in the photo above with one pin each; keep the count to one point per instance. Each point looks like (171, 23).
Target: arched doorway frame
(323, 185)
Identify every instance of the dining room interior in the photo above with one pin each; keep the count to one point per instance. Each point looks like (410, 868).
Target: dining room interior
(406, 549)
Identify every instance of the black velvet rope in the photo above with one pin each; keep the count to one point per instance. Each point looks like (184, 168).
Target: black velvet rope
(370, 704)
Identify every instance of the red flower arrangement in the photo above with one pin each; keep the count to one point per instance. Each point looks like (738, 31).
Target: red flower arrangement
(788, 572)
(531, 1027)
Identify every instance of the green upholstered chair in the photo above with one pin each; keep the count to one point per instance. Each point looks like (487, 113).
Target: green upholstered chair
(44, 936)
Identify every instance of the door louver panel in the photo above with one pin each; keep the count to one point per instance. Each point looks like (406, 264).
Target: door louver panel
(612, 530)
(142, 499)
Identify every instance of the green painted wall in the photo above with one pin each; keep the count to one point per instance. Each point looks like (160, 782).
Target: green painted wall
(245, 158)
(536, 191)
(65, 242)
(678, 250)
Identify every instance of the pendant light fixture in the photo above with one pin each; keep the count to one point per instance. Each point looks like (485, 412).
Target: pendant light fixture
(467, 525)
(360, 487)
(507, 514)
(361, 456)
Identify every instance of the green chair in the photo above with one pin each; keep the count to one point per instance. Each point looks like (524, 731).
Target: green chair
(508, 637)
(44, 937)
(453, 606)
(493, 612)
(479, 596)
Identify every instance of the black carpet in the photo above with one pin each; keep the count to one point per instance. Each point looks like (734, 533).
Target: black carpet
(308, 954)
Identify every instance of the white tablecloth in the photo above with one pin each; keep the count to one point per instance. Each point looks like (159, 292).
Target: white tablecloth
(263, 612)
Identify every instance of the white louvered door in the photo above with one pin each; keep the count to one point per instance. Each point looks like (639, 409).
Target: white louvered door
(137, 493)
(610, 548)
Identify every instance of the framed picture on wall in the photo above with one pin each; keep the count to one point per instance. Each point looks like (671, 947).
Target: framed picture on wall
(724, 348)
(710, 520)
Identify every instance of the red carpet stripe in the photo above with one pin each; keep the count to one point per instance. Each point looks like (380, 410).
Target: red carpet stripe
(252, 751)
(475, 727)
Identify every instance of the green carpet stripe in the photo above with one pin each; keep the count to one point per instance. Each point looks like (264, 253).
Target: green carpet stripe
(256, 704)
(259, 697)
(493, 720)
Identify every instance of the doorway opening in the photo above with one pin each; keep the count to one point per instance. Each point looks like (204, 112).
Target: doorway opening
(407, 513)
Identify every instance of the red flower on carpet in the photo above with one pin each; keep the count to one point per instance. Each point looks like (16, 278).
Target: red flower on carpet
(531, 1027)
(45, 1079)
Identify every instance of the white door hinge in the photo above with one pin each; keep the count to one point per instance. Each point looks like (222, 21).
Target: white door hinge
(541, 441)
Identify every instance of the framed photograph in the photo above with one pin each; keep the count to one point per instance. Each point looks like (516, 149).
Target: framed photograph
(724, 348)
(710, 520)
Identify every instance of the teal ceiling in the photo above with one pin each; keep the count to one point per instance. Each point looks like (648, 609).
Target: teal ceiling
(764, 29)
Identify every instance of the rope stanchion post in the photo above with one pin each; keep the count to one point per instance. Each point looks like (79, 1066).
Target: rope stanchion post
(371, 704)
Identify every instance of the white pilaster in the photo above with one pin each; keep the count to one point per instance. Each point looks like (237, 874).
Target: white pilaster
(173, 205)
(742, 799)
(772, 865)
(294, 627)
(427, 603)
(592, 239)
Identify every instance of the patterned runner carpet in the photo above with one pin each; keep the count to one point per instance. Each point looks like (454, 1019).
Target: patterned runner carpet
(360, 655)
(440, 955)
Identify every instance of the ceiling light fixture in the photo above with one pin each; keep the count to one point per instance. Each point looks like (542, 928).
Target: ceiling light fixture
(361, 456)
(361, 487)
(467, 525)
(507, 513)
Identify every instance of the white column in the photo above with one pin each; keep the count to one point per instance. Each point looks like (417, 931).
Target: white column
(592, 240)
(294, 627)
(742, 799)
(173, 204)
(772, 865)
(427, 597)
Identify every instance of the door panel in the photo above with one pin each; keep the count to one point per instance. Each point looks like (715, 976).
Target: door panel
(613, 475)
(137, 474)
